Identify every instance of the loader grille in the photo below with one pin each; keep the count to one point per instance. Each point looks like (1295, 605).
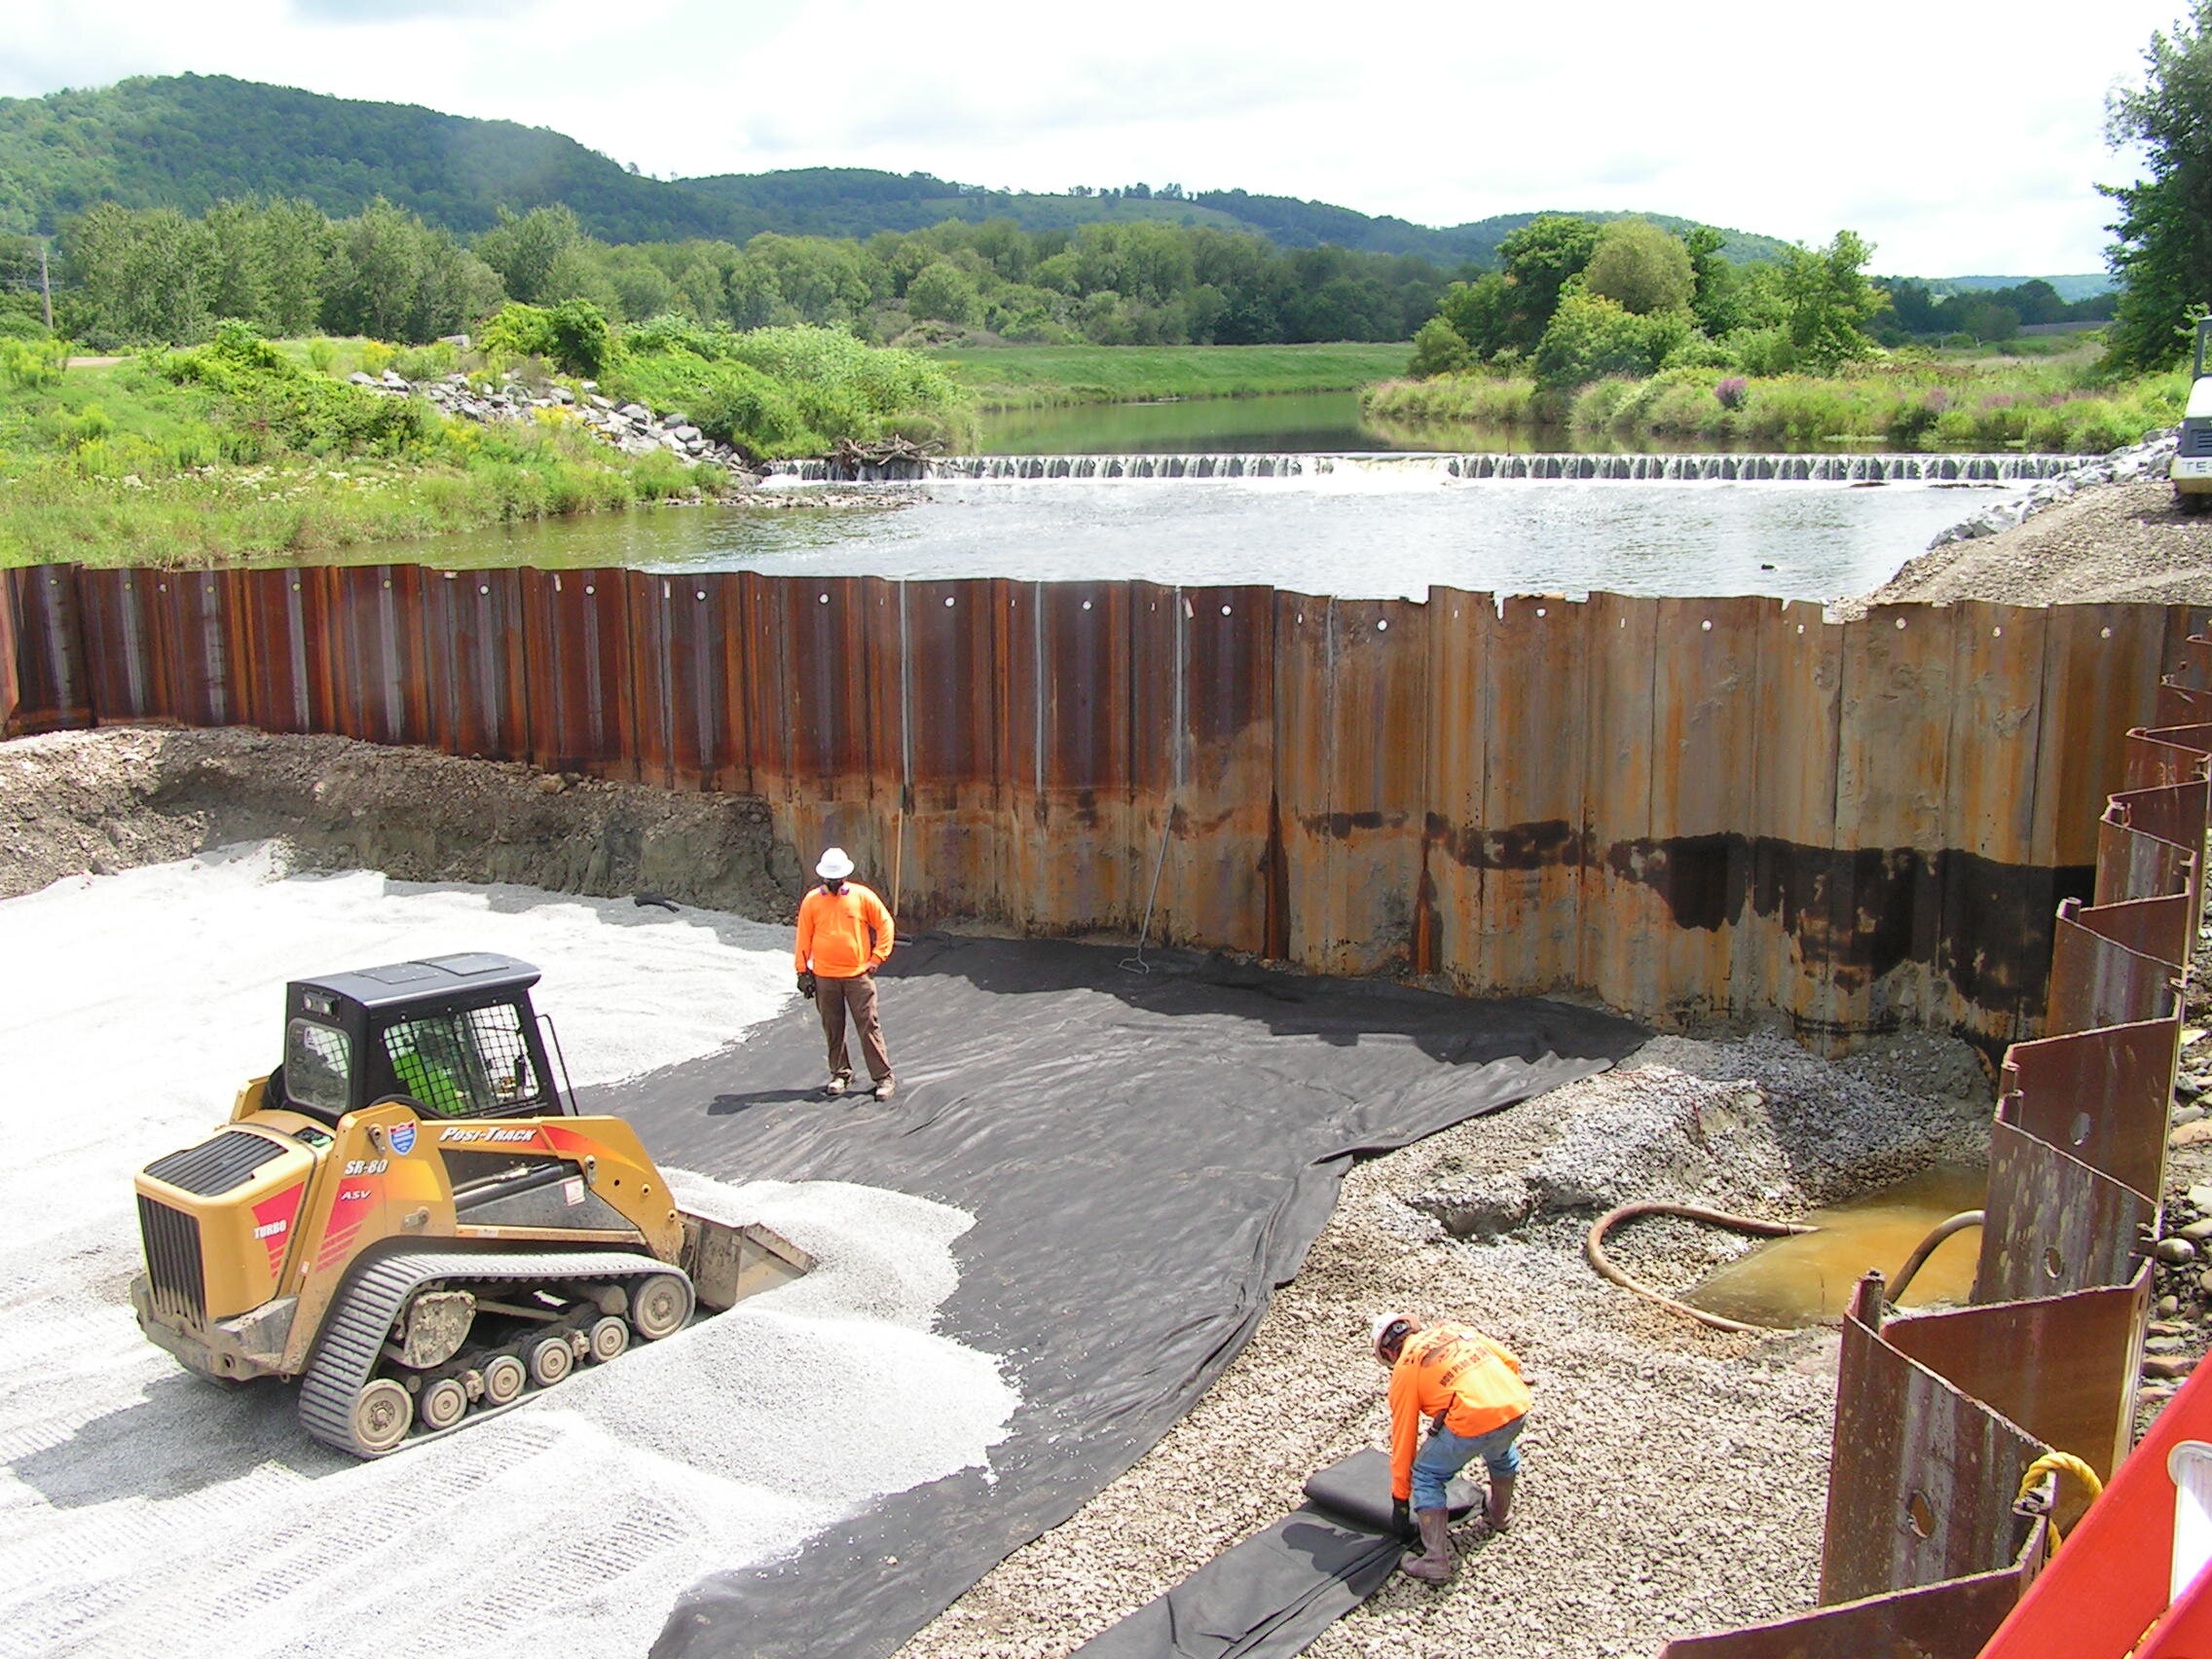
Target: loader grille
(2197, 437)
(172, 1262)
(215, 1166)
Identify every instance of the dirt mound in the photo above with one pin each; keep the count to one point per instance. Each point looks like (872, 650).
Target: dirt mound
(92, 802)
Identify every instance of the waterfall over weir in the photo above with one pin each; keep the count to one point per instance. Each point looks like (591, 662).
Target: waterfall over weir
(1988, 469)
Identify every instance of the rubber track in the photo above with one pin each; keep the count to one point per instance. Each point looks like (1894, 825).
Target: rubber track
(355, 1330)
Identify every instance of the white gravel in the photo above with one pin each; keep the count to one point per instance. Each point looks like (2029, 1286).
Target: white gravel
(142, 1510)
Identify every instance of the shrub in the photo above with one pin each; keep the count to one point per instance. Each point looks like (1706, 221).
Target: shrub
(1731, 392)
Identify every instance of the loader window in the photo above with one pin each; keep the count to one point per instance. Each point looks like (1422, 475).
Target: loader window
(463, 1066)
(318, 1066)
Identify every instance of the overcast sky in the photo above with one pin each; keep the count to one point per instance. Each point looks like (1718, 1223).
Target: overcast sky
(1959, 138)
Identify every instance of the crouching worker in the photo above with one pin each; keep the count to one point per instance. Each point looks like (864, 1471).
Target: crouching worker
(1470, 1389)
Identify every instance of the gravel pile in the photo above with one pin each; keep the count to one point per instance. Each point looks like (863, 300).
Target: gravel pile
(1675, 1476)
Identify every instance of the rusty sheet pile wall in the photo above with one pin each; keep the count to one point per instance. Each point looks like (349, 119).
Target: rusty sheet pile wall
(1939, 1416)
(1682, 806)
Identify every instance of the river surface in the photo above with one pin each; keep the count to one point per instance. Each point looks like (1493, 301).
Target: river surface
(1370, 525)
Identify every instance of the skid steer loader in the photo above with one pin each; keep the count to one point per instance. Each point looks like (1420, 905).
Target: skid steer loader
(409, 1217)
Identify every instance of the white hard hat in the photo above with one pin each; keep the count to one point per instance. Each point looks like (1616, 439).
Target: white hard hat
(834, 864)
(1389, 1335)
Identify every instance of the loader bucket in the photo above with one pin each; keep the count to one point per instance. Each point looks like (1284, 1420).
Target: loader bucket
(728, 1264)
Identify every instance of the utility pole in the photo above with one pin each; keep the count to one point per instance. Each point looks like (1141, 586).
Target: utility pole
(45, 285)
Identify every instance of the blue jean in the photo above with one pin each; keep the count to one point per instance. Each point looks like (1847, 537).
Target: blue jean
(1445, 1453)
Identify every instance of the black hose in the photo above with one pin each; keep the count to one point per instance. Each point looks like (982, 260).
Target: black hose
(1919, 1258)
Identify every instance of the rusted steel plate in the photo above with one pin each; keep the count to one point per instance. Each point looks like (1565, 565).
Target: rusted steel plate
(2099, 682)
(268, 650)
(1450, 915)
(1202, 747)
(2077, 1393)
(1707, 722)
(1534, 652)
(2102, 1095)
(2053, 1224)
(2135, 866)
(2175, 814)
(114, 626)
(935, 688)
(808, 725)
(2149, 927)
(1992, 886)
(1922, 1477)
(578, 659)
(1891, 791)
(2166, 754)
(2096, 981)
(42, 651)
(372, 677)
(1950, 1620)
(1797, 863)
(478, 688)
(1352, 715)
(2179, 706)
(1617, 915)
(1072, 858)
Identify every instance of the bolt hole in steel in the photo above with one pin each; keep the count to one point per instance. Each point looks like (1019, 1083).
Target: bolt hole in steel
(2082, 1128)
(1920, 1514)
(661, 1307)
(383, 1413)
(444, 1403)
(551, 1359)
(2053, 1262)
(504, 1380)
(608, 1336)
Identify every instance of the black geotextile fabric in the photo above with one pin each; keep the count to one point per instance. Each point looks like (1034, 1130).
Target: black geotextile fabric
(1269, 1596)
(1146, 1156)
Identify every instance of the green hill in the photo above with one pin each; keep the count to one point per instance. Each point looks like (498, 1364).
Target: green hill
(189, 141)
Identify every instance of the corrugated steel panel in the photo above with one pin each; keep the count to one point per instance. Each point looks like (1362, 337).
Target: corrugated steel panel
(1799, 862)
(810, 729)
(1950, 1620)
(2102, 1095)
(1922, 1477)
(2097, 981)
(1353, 714)
(2077, 1395)
(42, 653)
(1071, 860)
(577, 664)
(1449, 919)
(2053, 1224)
(480, 685)
(1534, 652)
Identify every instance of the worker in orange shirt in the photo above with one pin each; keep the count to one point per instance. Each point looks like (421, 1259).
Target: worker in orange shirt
(844, 935)
(1470, 1389)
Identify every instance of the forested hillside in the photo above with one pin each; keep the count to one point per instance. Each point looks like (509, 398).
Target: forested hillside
(191, 141)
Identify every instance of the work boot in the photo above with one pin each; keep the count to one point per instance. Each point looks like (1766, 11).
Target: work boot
(885, 1087)
(834, 1086)
(1500, 1504)
(1435, 1566)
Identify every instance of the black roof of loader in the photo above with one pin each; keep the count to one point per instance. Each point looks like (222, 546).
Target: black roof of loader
(401, 982)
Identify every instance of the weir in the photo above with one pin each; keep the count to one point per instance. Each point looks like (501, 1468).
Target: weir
(1990, 469)
(1684, 807)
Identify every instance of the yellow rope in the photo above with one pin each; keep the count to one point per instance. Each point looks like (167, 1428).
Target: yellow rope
(2061, 1463)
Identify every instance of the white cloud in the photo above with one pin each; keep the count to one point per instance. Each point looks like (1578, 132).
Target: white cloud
(1953, 139)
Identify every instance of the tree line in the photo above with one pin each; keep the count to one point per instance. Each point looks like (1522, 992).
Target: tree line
(129, 276)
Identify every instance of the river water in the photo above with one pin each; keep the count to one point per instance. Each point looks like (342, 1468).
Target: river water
(1365, 525)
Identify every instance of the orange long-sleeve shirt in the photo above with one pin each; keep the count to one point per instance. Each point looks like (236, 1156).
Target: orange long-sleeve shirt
(1459, 1372)
(843, 935)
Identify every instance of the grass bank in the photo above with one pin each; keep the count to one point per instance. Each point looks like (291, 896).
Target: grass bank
(235, 453)
(1034, 377)
(1925, 404)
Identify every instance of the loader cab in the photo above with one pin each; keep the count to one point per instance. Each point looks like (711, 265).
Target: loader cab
(455, 1035)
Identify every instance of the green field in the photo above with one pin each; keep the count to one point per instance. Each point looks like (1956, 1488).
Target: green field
(1032, 377)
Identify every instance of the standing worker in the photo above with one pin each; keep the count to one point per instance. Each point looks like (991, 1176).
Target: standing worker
(1471, 1389)
(844, 935)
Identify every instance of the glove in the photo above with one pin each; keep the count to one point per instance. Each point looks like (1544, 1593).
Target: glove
(807, 983)
(1402, 1518)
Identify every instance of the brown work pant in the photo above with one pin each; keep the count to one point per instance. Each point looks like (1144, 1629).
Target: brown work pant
(833, 997)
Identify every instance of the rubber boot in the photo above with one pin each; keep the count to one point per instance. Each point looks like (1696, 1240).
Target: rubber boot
(1435, 1564)
(1501, 1504)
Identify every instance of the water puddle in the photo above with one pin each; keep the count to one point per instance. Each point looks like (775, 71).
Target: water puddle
(1807, 1279)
